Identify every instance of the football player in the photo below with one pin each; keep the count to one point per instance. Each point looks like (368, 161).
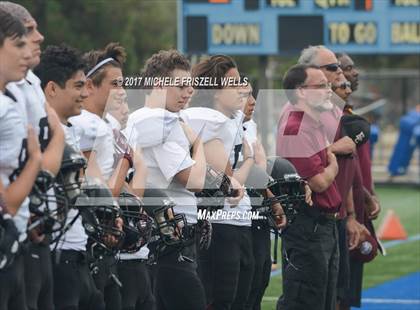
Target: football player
(38, 272)
(64, 83)
(20, 161)
(175, 161)
(136, 290)
(228, 277)
(104, 85)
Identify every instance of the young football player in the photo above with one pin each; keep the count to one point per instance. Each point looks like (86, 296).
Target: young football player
(227, 278)
(64, 84)
(175, 161)
(31, 100)
(20, 157)
(104, 85)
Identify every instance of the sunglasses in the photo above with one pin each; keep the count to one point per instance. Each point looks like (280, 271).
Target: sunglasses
(331, 67)
(343, 86)
(317, 86)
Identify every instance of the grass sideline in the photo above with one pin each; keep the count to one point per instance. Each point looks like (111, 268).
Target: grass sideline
(400, 260)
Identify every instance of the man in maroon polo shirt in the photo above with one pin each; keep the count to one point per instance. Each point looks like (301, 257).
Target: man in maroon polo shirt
(368, 208)
(310, 247)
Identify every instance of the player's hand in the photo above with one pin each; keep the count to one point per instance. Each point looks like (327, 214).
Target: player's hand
(53, 120)
(237, 191)
(279, 215)
(308, 195)
(353, 232)
(374, 208)
(34, 150)
(111, 240)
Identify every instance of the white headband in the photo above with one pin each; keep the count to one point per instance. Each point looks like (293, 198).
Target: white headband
(98, 65)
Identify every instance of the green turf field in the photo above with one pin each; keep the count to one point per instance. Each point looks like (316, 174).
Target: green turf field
(400, 260)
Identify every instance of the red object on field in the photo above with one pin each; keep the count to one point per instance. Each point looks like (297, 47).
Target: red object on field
(391, 228)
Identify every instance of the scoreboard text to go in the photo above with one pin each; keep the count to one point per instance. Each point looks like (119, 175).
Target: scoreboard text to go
(359, 33)
(366, 33)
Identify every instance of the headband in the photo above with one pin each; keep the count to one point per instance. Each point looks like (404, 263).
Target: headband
(98, 65)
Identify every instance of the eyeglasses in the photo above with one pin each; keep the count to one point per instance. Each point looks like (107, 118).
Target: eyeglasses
(318, 86)
(331, 67)
(343, 86)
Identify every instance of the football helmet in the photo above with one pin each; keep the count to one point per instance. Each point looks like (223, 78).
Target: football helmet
(216, 189)
(68, 178)
(49, 209)
(169, 229)
(99, 213)
(287, 186)
(256, 186)
(137, 225)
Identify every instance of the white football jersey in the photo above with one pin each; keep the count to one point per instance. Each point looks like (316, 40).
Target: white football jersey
(212, 124)
(96, 135)
(166, 152)
(33, 110)
(75, 238)
(13, 151)
(31, 103)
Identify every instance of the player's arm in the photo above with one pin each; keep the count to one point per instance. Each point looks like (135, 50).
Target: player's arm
(19, 189)
(138, 183)
(217, 158)
(193, 177)
(93, 171)
(117, 180)
(321, 181)
(52, 155)
(241, 174)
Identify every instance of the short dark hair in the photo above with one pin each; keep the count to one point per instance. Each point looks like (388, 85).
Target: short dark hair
(10, 27)
(294, 78)
(113, 50)
(214, 67)
(162, 63)
(59, 64)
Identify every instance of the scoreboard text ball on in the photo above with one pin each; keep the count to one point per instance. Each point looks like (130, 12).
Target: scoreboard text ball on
(269, 27)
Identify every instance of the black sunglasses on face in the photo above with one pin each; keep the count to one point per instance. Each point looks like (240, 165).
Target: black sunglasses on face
(331, 67)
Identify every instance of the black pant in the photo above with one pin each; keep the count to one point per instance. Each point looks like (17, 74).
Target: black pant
(354, 297)
(106, 280)
(12, 286)
(74, 287)
(227, 267)
(343, 281)
(310, 254)
(136, 291)
(261, 245)
(178, 286)
(38, 277)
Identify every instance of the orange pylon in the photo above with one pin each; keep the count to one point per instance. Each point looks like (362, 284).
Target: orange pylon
(391, 228)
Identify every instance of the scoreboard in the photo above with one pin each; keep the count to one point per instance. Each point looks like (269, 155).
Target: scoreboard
(270, 27)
